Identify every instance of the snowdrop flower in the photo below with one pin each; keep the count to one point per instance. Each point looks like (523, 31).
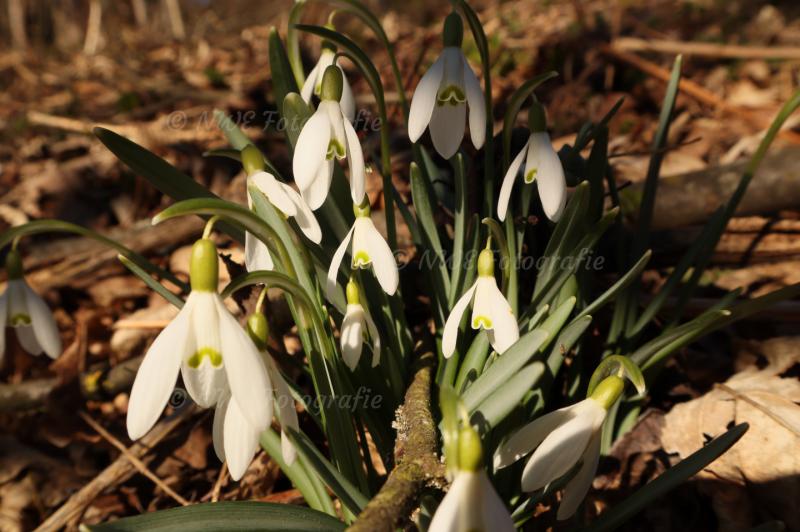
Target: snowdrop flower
(284, 198)
(471, 504)
(236, 440)
(367, 248)
(25, 311)
(313, 83)
(490, 311)
(356, 324)
(541, 165)
(212, 352)
(562, 439)
(442, 95)
(326, 136)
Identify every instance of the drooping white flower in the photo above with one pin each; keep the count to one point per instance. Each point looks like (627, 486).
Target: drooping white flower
(357, 324)
(541, 165)
(287, 414)
(313, 83)
(441, 98)
(490, 311)
(471, 503)
(326, 136)
(290, 203)
(209, 348)
(367, 248)
(26, 312)
(561, 440)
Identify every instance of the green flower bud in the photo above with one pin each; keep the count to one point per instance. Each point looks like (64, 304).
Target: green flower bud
(363, 210)
(252, 159)
(258, 329)
(486, 263)
(332, 84)
(608, 391)
(353, 297)
(470, 452)
(14, 265)
(537, 121)
(453, 30)
(203, 266)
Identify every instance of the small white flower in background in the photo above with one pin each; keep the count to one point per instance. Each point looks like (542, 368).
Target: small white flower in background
(290, 203)
(356, 324)
(562, 439)
(471, 503)
(442, 95)
(326, 136)
(541, 165)
(26, 312)
(368, 249)
(313, 83)
(213, 353)
(490, 311)
(236, 440)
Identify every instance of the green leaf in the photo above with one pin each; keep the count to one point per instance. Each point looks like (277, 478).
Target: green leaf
(294, 56)
(566, 340)
(614, 289)
(555, 321)
(233, 516)
(159, 172)
(236, 137)
(283, 80)
(473, 363)
(620, 366)
(422, 203)
(667, 481)
(514, 105)
(150, 282)
(502, 402)
(459, 228)
(506, 258)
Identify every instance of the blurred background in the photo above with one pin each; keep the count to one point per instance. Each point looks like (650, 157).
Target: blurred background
(153, 70)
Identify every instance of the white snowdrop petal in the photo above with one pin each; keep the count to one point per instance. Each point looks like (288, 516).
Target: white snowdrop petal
(247, 375)
(27, 339)
(477, 106)
(508, 183)
(495, 514)
(450, 334)
(336, 262)
(256, 254)
(241, 440)
(348, 101)
(158, 372)
(447, 128)
(559, 451)
(383, 262)
(355, 159)
(424, 100)
(317, 191)
(274, 191)
(304, 216)
(337, 121)
(528, 438)
(217, 432)
(577, 488)
(375, 337)
(311, 81)
(483, 304)
(311, 149)
(550, 179)
(203, 370)
(505, 331)
(43, 323)
(451, 515)
(352, 335)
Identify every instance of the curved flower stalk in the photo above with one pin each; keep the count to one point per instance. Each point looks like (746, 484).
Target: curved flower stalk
(287, 201)
(24, 310)
(562, 440)
(490, 311)
(541, 165)
(212, 352)
(313, 83)
(236, 440)
(367, 248)
(326, 136)
(471, 503)
(441, 98)
(356, 325)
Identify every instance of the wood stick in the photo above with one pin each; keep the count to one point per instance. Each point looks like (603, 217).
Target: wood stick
(16, 21)
(706, 49)
(141, 324)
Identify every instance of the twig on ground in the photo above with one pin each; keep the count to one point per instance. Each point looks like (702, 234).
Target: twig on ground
(707, 49)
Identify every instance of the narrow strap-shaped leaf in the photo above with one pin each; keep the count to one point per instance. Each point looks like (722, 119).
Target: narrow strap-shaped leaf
(228, 516)
(293, 54)
(514, 105)
(283, 80)
(150, 282)
(607, 296)
(668, 480)
(502, 401)
(459, 228)
(422, 204)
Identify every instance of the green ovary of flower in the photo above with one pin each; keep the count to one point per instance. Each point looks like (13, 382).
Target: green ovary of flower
(335, 149)
(530, 175)
(19, 320)
(451, 94)
(214, 356)
(361, 259)
(481, 321)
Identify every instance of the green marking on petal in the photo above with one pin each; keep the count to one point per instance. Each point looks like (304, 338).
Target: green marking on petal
(530, 175)
(482, 321)
(361, 259)
(19, 320)
(335, 149)
(452, 94)
(214, 356)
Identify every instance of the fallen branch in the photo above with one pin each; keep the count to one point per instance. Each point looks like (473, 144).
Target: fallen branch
(416, 457)
(707, 49)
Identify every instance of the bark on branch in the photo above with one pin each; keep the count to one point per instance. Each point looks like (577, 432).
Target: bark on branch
(416, 457)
